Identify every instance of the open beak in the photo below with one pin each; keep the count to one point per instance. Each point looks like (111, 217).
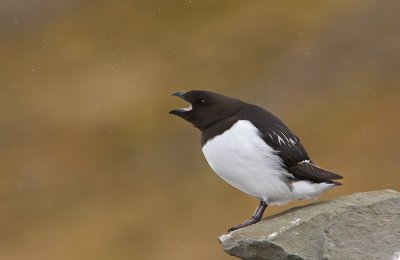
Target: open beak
(180, 111)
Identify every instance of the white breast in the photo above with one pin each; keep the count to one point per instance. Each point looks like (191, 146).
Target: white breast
(242, 158)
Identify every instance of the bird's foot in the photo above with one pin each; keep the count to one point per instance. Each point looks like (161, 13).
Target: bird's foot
(245, 224)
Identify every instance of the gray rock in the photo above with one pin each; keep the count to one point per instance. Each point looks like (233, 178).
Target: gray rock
(359, 226)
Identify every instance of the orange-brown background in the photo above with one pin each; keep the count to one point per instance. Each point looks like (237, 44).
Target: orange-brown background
(93, 167)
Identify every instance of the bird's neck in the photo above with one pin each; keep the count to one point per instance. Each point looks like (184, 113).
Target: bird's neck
(216, 129)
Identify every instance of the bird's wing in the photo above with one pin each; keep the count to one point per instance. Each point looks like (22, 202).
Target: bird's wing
(287, 145)
(293, 154)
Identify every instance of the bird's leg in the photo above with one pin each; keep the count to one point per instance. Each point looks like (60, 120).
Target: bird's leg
(254, 219)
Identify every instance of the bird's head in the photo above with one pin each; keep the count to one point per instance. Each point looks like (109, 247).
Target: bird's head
(205, 108)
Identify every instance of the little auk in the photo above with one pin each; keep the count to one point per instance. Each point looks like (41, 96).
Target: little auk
(253, 150)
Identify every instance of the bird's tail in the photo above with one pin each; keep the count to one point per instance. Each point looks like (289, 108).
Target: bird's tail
(308, 171)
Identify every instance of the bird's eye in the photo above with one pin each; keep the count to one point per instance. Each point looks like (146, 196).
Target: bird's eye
(203, 102)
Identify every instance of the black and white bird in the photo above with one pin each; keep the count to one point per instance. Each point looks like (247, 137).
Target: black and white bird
(253, 150)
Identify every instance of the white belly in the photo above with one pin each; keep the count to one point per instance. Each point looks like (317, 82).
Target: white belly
(240, 157)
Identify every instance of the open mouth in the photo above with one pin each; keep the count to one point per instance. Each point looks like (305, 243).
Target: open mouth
(187, 108)
(181, 110)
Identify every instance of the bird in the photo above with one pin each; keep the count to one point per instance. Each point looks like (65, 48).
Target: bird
(253, 150)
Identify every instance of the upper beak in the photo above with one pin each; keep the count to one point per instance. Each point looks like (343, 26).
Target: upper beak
(179, 94)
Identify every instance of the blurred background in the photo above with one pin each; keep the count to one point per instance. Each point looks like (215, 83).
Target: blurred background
(93, 166)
